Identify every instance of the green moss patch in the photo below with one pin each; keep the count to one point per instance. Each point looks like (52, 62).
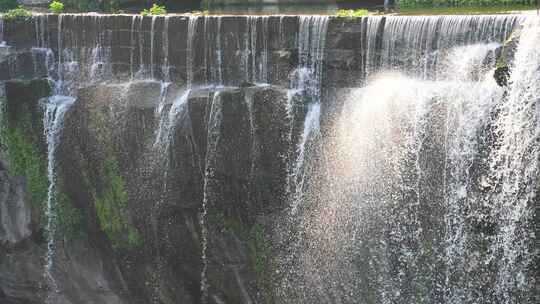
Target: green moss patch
(259, 248)
(111, 207)
(22, 137)
(108, 188)
(26, 160)
(70, 219)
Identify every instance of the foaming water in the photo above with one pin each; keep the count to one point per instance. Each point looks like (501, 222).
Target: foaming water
(514, 172)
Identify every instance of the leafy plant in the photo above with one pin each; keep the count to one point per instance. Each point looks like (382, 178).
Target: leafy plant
(352, 13)
(154, 10)
(56, 7)
(17, 13)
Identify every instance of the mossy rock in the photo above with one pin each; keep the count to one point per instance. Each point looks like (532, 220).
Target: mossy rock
(505, 57)
(111, 206)
(22, 137)
(501, 75)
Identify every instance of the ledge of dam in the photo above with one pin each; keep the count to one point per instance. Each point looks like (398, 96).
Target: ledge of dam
(135, 41)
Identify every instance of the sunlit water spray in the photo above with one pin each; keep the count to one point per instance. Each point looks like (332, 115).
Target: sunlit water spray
(514, 165)
(401, 213)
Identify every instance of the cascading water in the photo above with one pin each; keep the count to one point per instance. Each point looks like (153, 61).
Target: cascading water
(513, 171)
(306, 84)
(307, 80)
(420, 194)
(414, 44)
(53, 120)
(165, 68)
(152, 43)
(2, 42)
(419, 186)
(168, 120)
(64, 73)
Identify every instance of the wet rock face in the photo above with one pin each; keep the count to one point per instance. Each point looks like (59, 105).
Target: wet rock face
(223, 150)
(501, 75)
(257, 49)
(16, 214)
(228, 149)
(505, 57)
(80, 270)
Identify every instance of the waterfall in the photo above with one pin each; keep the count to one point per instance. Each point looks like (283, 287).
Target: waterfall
(53, 121)
(255, 58)
(169, 120)
(140, 72)
(40, 23)
(2, 42)
(306, 87)
(415, 44)
(514, 166)
(311, 127)
(215, 120)
(72, 65)
(165, 69)
(152, 42)
(192, 30)
(414, 182)
(132, 46)
(430, 171)
(307, 80)
(219, 55)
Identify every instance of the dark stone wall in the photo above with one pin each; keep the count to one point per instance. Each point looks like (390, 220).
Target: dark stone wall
(129, 38)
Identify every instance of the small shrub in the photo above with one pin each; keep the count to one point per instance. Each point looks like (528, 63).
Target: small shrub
(17, 13)
(154, 10)
(56, 7)
(352, 13)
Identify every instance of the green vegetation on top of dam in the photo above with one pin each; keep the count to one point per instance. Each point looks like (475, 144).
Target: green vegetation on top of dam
(352, 9)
